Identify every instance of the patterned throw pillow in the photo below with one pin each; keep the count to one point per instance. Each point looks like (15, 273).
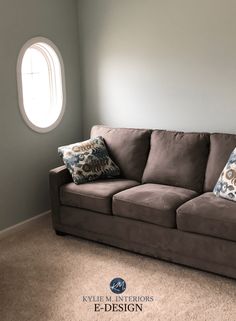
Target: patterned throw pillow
(88, 160)
(226, 185)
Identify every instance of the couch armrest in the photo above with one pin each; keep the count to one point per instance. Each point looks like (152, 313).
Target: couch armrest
(57, 177)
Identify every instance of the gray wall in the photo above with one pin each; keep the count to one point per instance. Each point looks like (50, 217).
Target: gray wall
(159, 63)
(26, 156)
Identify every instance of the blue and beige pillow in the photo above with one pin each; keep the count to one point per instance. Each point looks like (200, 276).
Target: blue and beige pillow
(226, 185)
(88, 160)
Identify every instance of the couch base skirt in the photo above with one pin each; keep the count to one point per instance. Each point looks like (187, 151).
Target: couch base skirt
(194, 250)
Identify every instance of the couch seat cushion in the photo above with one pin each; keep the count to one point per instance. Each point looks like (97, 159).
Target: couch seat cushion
(208, 215)
(95, 196)
(151, 203)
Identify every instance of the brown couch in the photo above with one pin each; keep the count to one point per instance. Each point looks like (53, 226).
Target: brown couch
(162, 205)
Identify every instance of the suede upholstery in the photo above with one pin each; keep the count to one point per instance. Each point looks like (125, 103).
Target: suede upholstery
(222, 146)
(142, 218)
(151, 203)
(177, 159)
(57, 177)
(209, 215)
(95, 195)
(128, 148)
(195, 250)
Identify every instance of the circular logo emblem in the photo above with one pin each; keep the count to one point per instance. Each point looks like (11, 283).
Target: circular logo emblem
(118, 285)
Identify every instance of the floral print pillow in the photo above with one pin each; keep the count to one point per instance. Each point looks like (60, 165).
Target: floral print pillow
(88, 160)
(226, 185)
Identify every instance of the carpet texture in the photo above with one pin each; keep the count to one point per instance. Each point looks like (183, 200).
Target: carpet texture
(43, 277)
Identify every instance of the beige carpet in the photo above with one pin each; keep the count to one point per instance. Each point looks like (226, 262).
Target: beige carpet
(44, 277)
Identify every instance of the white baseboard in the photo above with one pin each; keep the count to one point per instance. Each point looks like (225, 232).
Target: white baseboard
(20, 226)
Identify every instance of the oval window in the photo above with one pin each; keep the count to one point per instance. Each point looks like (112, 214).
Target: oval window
(41, 84)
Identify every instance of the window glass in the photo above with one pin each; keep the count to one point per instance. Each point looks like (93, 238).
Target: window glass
(40, 78)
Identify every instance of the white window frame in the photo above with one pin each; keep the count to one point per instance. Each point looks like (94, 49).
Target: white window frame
(29, 43)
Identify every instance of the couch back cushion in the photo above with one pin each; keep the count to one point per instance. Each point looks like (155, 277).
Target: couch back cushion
(221, 146)
(177, 159)
(128, 147)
